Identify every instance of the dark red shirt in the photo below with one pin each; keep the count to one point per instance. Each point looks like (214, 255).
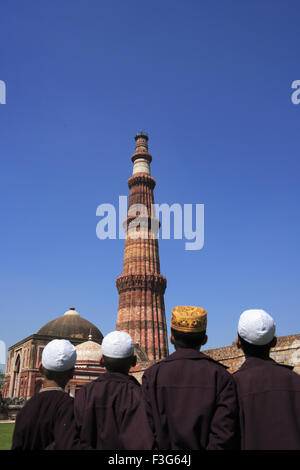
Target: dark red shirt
(110, 414)
(269, 401)
(47, 418)
(191, 402)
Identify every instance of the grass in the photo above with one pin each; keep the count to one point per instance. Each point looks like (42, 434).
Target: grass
(6, 433)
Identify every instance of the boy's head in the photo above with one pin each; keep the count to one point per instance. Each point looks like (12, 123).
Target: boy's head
(58, 361)
(118, 352)
(256, 333)
(188, 327)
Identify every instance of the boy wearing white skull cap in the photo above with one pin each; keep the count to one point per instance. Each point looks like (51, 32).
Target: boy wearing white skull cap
(47, 419)
(109, 411)
(268, 392)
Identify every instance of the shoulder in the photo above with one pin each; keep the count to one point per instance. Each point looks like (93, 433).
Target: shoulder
(86, 390)
(54, 395)
(219, 371)
(134, 382)
(65, 403)
(51, 396)
(108, 380)
(114, 378)
(286, 370)
(286, 367)
(198, 359)
(156, 365)
(217, 364)
(59, 399)
(66, 398)
(41, 401)
(254, 366)
(28, 406)
(154, 368)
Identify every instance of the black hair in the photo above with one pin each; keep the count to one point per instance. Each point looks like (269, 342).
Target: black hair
(254, 349)
(188, 340)
(60, 377)
(118, 364)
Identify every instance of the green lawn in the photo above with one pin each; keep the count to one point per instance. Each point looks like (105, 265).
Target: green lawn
(6, 432)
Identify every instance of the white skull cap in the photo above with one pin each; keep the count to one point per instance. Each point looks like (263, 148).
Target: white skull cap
(256, 327)
(117, 345)
(59, 355)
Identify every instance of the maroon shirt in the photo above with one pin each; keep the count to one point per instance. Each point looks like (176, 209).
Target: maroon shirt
(191, 402)
(269, 400)
(110, 414)
(46, 418)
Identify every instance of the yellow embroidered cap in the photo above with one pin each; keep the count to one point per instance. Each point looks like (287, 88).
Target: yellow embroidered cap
(189, 319)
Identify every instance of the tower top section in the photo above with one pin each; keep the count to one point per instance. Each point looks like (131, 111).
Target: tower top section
(141, 140)
(142, 134)
(141, 148)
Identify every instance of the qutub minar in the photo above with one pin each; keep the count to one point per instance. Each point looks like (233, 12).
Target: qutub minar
(141, 287)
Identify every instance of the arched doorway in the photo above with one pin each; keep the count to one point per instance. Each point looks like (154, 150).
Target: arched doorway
(16, 376)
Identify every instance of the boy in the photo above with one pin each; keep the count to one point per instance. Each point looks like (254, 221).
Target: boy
(268, 392)
(48, 416)
(109, 411)
(190, 398)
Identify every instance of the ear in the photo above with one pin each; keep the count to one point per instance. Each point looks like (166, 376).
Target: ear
(238, 343)
(172, 339)
(204, 340)
(102, 362)
(40, 367)
(274, 342)
(134, 361)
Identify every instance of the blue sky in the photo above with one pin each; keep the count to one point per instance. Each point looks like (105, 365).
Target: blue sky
(210, 81)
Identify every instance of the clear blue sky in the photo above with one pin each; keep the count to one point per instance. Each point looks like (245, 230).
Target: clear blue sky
(210, 81)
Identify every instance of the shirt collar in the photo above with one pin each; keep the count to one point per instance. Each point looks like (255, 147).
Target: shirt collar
(253, 361)
(186, 353)
(118, 377)
(48, 389)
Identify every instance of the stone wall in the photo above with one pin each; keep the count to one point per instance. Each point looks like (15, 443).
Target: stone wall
(286, 351)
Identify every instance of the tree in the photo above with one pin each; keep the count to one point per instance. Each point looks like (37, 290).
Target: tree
(2, 377)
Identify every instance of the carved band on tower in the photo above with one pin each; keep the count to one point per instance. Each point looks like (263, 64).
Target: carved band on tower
(141, 287)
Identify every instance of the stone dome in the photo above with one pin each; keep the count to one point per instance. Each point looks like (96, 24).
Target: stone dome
(89, 351)
(71, 325)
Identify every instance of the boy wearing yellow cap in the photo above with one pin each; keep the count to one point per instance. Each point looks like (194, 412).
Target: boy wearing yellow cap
(190, 398)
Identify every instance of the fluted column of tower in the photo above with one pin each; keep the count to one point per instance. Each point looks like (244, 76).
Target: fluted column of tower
(141, 287)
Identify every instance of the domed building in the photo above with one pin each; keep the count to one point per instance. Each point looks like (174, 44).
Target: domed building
(71, 325)
(22, 377)
(89, 352)
(87, 367)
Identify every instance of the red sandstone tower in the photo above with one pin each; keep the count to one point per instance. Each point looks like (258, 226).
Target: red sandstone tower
(141, 287)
